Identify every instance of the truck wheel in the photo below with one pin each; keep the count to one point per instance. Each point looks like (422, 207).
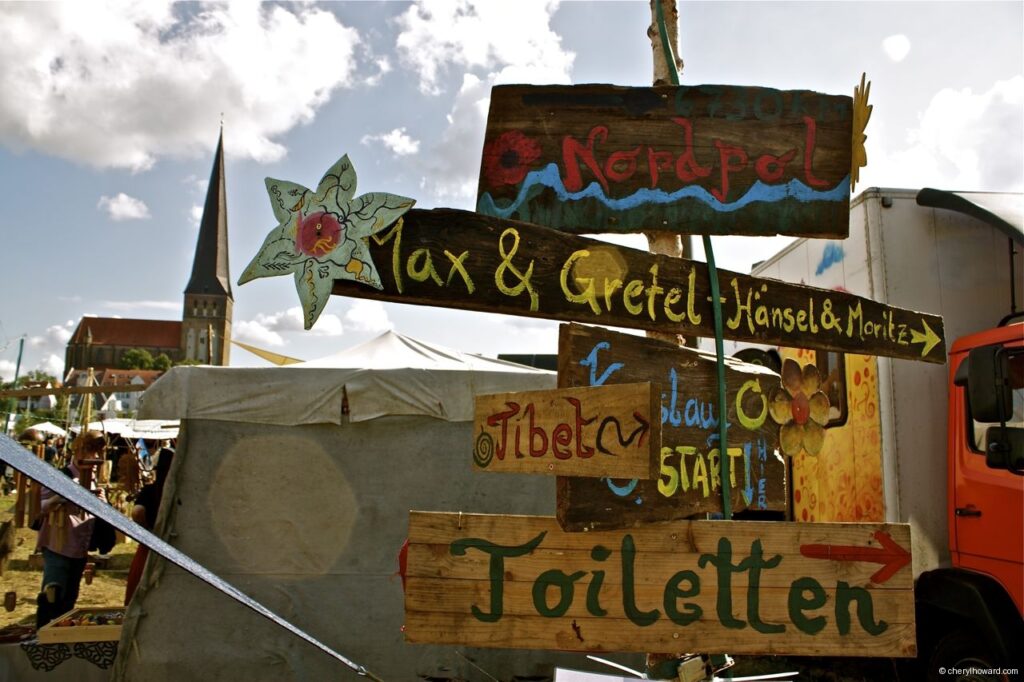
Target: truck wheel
(960, 656)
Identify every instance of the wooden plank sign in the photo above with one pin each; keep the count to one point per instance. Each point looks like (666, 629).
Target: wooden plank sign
(459, 259)
(601, 431)
(689, 469)
(708, 159)
(805, 589)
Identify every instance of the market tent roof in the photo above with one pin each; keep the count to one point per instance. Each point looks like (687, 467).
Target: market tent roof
(390, 375)
(133, 429)
(46, 427)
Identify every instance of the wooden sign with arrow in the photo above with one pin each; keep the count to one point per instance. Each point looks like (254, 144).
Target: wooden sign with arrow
(703, 159)
(610, 430)
(807, 589)
(464, 260)
(688, 480)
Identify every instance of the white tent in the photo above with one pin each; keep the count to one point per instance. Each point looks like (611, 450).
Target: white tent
(133, 429)
(47, 428)
(305, 508)
(391, 375)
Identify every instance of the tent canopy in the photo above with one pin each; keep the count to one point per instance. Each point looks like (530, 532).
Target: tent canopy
(133, 429)
(47, 428)
(390, 375)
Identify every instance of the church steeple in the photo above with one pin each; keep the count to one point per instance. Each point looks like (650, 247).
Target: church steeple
(206, 324)
(210, 267)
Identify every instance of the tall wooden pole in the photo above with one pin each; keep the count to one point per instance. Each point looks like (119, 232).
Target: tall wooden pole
(665, 242)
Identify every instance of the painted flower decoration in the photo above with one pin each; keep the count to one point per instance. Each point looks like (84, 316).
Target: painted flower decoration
(507, 158)
(324, 235)
(861, 114)
(800, 408)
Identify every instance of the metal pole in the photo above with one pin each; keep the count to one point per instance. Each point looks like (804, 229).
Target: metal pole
(12, 404)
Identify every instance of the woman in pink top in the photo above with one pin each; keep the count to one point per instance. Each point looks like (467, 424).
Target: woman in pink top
(65, 534)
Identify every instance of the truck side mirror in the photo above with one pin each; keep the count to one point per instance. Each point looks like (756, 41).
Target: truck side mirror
(1005, 449)
(988, 390)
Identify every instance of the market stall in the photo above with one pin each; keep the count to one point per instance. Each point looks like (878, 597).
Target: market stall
(294, 483)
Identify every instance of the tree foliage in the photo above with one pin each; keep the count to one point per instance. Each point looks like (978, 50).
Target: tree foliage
(137, 358)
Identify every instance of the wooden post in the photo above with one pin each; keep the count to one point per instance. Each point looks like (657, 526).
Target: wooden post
(664, 242)
(35, 490)
(667, 243)
(21, 488)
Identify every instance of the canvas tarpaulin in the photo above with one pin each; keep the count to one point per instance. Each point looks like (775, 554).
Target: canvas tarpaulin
(305, 510)
(390, 375)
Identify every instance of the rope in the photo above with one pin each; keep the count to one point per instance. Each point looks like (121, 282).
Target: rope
(716, 301)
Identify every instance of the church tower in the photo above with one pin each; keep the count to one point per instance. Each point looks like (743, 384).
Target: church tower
(206, 323)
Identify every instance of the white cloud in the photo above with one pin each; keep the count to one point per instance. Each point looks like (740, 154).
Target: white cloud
(491, 36)
(132, 306)
(266, 329)
(52, 344)
(254, 333)
(123, 207)
(6, 370)
(494, 43)
(896, 47)
(196, 214)
(383, 65)
(453, 165)
(964, 141)
(118, 85)
(55, 336)
(368, 316)
(53, 365)
(397, 141)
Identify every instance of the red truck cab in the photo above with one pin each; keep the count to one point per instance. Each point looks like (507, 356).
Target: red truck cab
(970, 614)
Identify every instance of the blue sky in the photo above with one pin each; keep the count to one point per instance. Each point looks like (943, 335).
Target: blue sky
(110, 115)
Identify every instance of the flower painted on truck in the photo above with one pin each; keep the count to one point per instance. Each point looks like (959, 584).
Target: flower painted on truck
(324, 235)
(800, 408)
(507, 158)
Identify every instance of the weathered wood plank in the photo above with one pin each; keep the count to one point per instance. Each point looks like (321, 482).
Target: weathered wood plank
(464, 260)
(594, 431)
(705, 159)
(436, 561)
(450, 595)
(689, 476)
(755, 588)
(671, 537)
(610, 635)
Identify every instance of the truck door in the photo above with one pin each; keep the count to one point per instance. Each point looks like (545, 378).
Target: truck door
(988, 504)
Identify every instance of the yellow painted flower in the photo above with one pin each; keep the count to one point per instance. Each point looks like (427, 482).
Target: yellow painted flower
(800, 408)
(861, 114)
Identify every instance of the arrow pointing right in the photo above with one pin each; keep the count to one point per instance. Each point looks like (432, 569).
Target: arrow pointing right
(929, 338)
(890, 555)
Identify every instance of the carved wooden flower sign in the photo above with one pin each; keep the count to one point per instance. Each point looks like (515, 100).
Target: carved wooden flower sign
(324, 235)
(861, 114)
(800, 408)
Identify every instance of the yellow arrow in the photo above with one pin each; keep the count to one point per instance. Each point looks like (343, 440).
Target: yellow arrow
(929, 338)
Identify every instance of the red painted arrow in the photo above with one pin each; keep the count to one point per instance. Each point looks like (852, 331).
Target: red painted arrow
(891, 555)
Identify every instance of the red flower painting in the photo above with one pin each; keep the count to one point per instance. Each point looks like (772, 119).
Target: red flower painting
(507, 158)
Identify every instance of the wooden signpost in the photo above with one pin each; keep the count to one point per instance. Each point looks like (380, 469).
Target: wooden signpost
(689, 478)
(812, 589)
(601, 431)
(458, 259)
(705, 159)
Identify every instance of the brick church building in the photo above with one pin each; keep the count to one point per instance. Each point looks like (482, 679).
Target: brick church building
(204, 332)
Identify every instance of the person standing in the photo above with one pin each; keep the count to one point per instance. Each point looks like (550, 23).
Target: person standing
(65, 533)
(147, 504)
